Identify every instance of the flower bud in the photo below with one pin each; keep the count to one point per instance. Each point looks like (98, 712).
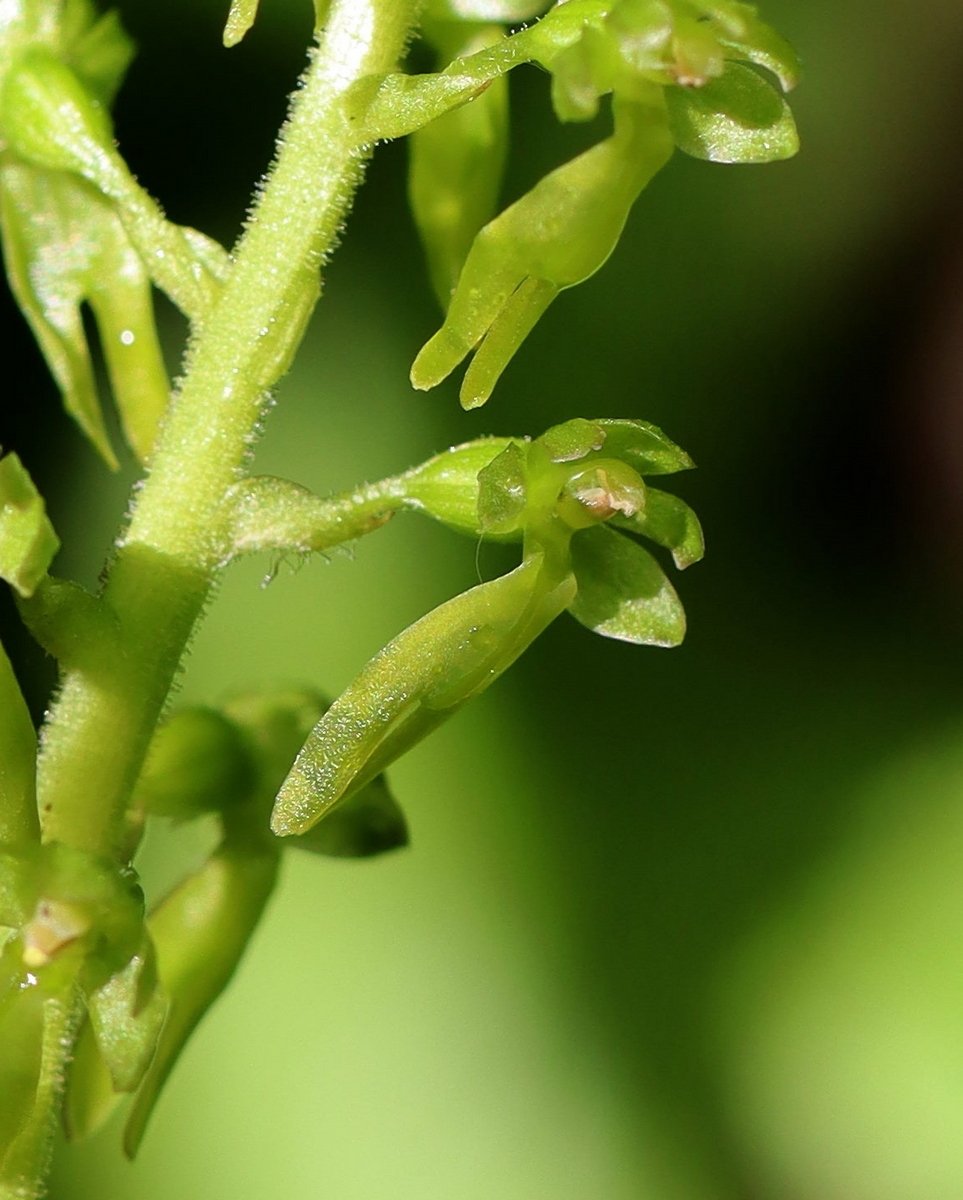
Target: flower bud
(197, 763)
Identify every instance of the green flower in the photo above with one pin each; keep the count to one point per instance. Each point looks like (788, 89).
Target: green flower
(562, 496)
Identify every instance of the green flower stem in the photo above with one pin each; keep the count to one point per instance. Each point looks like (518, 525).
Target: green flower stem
(169, 554)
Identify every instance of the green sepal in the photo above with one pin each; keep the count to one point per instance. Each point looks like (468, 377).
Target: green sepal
(126, 1016)
(456, 165)
(447, 487)
(64, 245)
(368, 823)
(759, 43)
(623, 593)
(18, 754)
(78, 629)
(643, 446)
(239, 20)
(670, 522)
(197, 763)
(502, 492)
(415, 683)
(738, 118)
(27, 539)
(200, 932)
(572, 440)
(99, 49)
(555, 236)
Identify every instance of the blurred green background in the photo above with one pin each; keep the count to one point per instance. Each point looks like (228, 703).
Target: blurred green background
(679, 924)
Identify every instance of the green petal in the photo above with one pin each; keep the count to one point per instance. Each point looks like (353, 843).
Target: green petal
(670, 522)
(738, 118)
(502, 491)
(623, 593)
(643, 446)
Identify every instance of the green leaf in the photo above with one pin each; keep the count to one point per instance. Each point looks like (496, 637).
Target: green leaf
(420, 679)
(670, 522)
(197, 763)
(643, 446)
(738, 118)
(18, 752)
(369, 822)
(64, 246)
(200, 931)
(456, 165)
(502, 492)
(27, 540)
(623, 593)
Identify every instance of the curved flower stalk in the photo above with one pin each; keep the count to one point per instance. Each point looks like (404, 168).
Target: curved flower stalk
(556, 495)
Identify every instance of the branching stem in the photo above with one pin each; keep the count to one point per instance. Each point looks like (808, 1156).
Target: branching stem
(168, 557)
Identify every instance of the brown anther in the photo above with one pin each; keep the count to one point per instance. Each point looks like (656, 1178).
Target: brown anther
(54, 925)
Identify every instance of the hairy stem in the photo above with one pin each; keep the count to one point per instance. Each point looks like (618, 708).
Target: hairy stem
(168, 557)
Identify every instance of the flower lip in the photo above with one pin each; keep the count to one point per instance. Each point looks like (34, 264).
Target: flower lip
(599, 492)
